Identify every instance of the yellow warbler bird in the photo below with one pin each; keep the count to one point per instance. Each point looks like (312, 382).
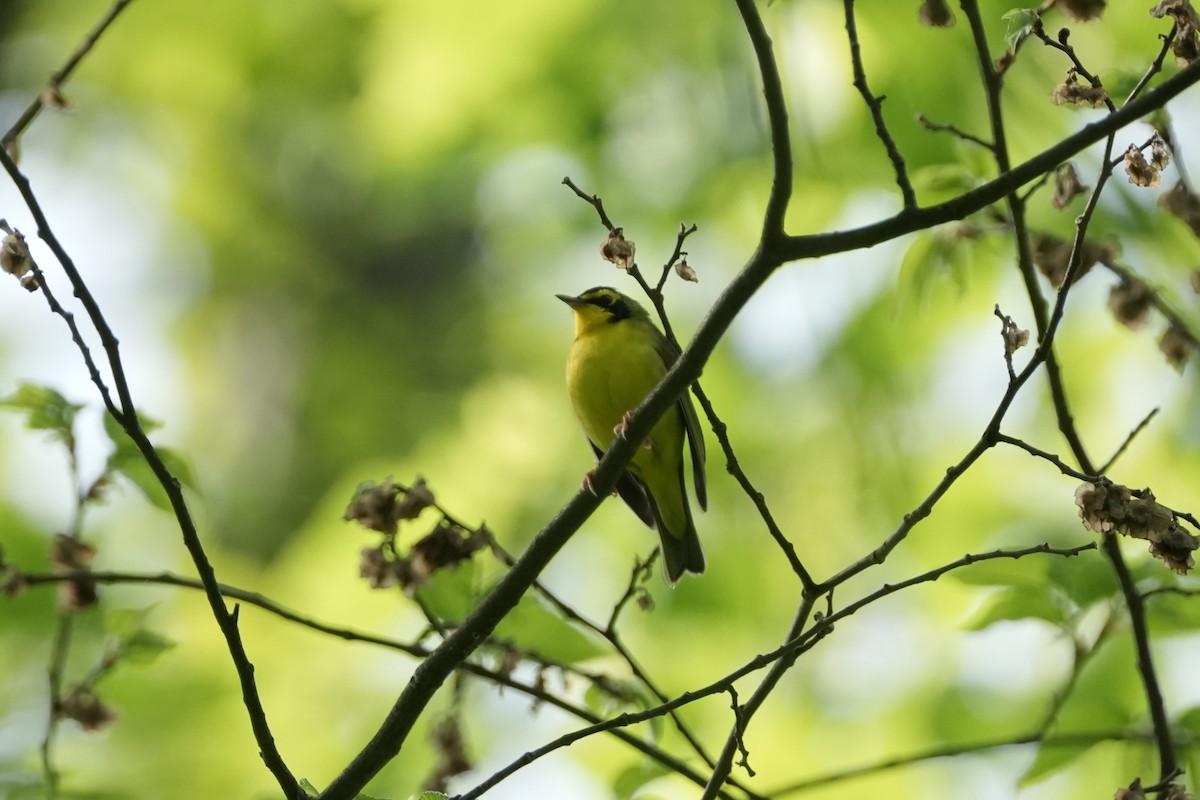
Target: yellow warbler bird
(617, 358)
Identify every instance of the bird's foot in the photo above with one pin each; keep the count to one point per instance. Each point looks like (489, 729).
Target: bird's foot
(587, 483)
(622, 428)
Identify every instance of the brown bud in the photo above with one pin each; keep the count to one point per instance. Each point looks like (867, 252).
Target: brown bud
(85, 707)
(1083, 10)
(936, 14)
(684, 270)
(1183, 204)
(1130, 302)
(14, 254)
(1177, 345)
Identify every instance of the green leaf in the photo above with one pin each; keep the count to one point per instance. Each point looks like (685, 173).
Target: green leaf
(537, 626)
(1190, 720)
(139, 645)
(937, 183)
(309, 789)
(1172, 613)
(634, 777)
(421, 796)
(127, 460)
(1031, 573)
(448, 594)
(1019, 603)
(1105, 696)
(1085, 579)
(1020, 24)
(46, 410)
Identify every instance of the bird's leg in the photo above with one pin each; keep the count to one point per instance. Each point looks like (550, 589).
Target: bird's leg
(622, 428)
(587, 482)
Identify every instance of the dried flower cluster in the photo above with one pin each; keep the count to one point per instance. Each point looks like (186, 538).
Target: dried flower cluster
(617, 249)
(1072, 92)
(1107, 507)
(1066, 186)
(1186, 45)
(1135, 791)
(1144, 172)
(1052, 257)
(16, 260)
(452, 759)
(381, 507)
(1014, 337)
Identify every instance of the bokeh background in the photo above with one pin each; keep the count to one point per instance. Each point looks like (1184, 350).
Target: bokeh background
(328, 236)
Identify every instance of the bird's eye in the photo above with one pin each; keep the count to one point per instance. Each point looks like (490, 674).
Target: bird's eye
(604, 300)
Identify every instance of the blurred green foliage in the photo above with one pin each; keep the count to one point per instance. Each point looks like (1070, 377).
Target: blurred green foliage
(328, 235)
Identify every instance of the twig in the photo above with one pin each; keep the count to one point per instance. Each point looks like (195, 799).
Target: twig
(638, 575)
(951, 751)
(1063, 467)
(777, 117)
(740, 727)
(1145, 661)
(58, 78)
(1141, 426)
(734, 467)
(593, 200)
(939, 127)
(54, 676)
(684, 232)
(875, 104)
(1155, 67)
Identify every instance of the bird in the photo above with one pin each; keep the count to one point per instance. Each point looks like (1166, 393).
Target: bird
(617, 358)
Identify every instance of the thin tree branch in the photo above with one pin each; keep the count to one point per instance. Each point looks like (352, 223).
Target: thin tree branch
(777, 116)
(875, 104)
(1063, 467)
(1141, 426)
(59, 78)
(952, 751)
(939, 127)
(54, 678)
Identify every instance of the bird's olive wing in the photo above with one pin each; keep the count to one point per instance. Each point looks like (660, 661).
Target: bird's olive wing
(669, 354)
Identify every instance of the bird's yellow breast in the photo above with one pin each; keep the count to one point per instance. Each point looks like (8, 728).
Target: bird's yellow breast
(610, 370)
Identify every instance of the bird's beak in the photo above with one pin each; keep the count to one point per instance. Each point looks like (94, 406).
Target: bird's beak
(573, 302)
